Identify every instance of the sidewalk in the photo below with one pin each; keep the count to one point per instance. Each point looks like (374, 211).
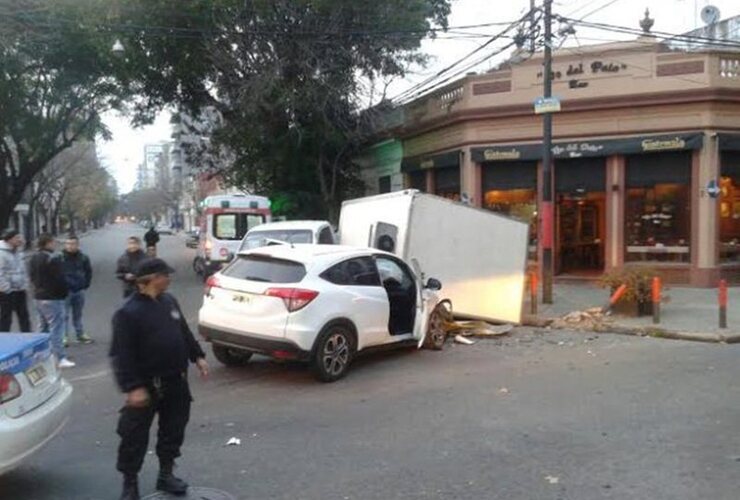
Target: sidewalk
(688, 310)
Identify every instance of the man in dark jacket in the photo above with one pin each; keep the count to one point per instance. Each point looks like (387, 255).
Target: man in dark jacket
(78, 275)
(151, 237)
(127, 264)
(50, 291)
(152, 346)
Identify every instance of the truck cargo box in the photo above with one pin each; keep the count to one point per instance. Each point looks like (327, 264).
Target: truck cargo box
(479, 256)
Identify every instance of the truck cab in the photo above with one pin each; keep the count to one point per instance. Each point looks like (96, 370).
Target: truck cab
(225, 221)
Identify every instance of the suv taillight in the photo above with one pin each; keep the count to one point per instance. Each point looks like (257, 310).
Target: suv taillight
(294, 298)
(9, 388)
(211, 282)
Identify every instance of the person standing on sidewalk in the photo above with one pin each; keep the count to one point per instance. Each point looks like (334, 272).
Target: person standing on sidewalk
(152, 346)
(50, 292)
(78, 275)
(13, 282)
(127, 264)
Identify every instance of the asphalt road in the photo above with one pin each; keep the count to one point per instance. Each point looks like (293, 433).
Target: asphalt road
(536, 415)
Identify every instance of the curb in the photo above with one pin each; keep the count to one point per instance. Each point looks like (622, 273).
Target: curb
(638, 331)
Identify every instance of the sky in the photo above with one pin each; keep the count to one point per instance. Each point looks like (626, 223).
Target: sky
(126, 150)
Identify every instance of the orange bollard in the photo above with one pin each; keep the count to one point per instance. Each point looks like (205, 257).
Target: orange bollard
(533, 285)
(614, 298)
(656, 299)
(722, 303)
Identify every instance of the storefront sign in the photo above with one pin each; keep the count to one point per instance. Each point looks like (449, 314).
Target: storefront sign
(494, 154)
(595, 68)
(578, 149)
(729, 142)
(663, 145)
(443, 160)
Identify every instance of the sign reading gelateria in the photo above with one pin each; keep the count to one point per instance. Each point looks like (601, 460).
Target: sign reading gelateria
(579, 149)
(663, 145)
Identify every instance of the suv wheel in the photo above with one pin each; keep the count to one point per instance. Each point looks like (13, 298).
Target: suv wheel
(333, 353)
(231, 357)
(437, 332)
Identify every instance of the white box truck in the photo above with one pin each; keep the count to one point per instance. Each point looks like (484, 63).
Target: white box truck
(479, 256)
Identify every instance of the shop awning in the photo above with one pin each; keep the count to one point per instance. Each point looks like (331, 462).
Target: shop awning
(443, 160)
(580, 149)
(729, 142)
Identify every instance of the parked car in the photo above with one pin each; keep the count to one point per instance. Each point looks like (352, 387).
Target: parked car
(295, 231)
(323, 304)
(34, 398)
(163, 228)
(192, 238)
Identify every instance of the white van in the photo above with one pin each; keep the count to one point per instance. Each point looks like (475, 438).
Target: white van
(294, 231)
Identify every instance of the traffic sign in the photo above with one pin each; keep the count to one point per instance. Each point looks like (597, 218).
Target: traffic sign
(546, 105)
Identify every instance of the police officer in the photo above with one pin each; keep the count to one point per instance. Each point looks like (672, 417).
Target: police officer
(151, 348)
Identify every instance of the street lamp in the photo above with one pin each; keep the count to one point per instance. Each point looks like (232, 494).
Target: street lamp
(118, 48)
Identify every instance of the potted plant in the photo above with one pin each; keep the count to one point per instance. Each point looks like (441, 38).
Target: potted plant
(637, 300)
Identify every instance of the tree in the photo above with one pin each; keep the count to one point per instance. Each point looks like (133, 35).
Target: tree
(57, 76)
(286, 79)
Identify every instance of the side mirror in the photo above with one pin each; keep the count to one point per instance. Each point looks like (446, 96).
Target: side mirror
(433, 284)
(230, 256)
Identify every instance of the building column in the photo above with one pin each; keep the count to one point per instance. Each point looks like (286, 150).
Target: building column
(470, 178)
(431, 188)
(704, 221)
(615, 198)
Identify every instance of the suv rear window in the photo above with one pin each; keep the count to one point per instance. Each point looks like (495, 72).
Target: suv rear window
(265, 269)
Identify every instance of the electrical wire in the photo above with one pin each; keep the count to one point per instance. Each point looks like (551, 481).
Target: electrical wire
(672, 36)
(430, 82)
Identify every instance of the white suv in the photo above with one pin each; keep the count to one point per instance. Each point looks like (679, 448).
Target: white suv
(318, 303)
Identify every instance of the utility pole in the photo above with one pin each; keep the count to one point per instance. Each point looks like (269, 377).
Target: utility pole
(531, 27)
(547, 212)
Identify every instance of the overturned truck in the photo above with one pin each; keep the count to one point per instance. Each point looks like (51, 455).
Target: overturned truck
(479, 256)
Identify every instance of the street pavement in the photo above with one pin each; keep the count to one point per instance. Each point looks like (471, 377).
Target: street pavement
(540, 414)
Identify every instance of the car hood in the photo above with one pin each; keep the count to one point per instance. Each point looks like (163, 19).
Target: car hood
(18, 352)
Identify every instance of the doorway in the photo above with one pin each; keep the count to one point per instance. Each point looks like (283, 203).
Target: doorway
(580, 186)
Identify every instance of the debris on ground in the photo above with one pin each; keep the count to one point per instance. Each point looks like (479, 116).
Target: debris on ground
(589, 319)
(503, 390)
(234, 442)
(552, 479)
(462, 340)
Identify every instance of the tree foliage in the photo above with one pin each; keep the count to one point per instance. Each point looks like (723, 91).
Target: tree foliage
(287, 79)
(57, 76)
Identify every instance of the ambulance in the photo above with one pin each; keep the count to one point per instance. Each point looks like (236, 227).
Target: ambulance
(224, 222)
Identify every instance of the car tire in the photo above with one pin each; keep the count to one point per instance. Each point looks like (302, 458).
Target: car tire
(231, 357)
(437, 333)
(333, 352)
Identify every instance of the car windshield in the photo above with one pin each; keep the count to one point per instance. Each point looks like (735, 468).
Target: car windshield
(265, 269)
(258, 239)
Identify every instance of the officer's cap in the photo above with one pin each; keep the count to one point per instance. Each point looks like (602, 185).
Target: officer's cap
(152, 266)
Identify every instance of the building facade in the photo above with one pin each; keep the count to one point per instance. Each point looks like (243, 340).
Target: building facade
(646, 155)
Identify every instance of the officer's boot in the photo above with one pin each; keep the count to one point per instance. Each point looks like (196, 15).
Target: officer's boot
(167, 481)
(130, 488)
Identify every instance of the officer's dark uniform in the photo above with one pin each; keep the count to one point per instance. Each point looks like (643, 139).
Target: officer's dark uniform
(151, 347)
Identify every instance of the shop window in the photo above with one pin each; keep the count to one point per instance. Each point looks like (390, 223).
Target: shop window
(658, 208)
(447, 183)
(417, 180)
(729, 208)
(384, 184)
(510, 188)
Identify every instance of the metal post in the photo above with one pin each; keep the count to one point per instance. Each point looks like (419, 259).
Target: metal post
(547, 226)
(722, 303)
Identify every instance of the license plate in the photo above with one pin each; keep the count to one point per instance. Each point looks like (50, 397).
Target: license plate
(36, 374)
(241, 298)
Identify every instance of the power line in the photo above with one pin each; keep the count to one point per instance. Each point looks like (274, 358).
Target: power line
(430, 81)
(672, 36)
